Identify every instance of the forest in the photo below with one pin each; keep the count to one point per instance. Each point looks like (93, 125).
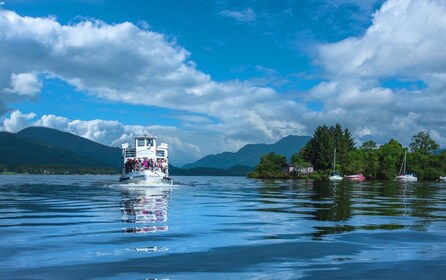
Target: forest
(376, 162)
(56, 169)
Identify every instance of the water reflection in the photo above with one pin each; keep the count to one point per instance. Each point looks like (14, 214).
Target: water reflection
(352, 206)
(144, 210)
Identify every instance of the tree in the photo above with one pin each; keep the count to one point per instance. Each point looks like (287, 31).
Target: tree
(319, 150)
(370, 158)
(298, 160)
(270, 166)
(390, 156)
(423, 143)
(323, 148)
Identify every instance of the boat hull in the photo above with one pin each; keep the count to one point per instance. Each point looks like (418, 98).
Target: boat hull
(406, 178)
(146, 177)
(335, 178)
(356, 177)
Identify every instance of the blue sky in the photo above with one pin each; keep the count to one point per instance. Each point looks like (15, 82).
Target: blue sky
(211, 76)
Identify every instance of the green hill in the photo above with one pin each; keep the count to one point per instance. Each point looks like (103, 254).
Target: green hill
(100, 154)
(17, 150)
(250, 154)
(209, 171)
(39, 149)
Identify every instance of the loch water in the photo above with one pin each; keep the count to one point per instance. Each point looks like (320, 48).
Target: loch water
(91, 227)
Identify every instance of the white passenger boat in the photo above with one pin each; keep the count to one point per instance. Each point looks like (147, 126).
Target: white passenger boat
(146, 162)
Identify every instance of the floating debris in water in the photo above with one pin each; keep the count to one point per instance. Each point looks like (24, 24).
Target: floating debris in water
(151, 249)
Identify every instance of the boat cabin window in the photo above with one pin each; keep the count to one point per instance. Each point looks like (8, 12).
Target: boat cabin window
(140, 142)
(160, 153)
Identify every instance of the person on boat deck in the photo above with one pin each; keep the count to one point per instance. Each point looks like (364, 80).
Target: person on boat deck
(136, 164)
(163, 165)
(150, 164)
(128, 165)
(145, 163)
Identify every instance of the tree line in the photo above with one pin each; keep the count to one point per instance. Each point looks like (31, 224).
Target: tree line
(375, 162)
(56, 169)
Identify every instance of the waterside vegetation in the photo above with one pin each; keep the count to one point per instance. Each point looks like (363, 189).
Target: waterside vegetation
(375, 162)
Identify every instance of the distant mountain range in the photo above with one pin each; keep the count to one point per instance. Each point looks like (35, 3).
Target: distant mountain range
(85, 148)
(41, 146)
(250, 154)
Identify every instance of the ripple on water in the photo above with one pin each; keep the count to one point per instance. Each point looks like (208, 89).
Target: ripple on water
(84, 227)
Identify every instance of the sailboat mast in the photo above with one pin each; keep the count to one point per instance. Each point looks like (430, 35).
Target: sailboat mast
(334, 160)
(405, 162)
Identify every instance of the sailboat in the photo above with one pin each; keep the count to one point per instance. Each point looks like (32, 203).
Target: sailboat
(405, 177)
(335, 176)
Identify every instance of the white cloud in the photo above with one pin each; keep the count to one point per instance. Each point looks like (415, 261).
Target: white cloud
(25, 84)
(246, 15)
(402, 44)
(405, 40)
(17, 121)
(52, 121)
(124, 63)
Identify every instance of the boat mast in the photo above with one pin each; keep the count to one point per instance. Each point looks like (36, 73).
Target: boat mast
(403, 164)
(334, 161)
(405, 158)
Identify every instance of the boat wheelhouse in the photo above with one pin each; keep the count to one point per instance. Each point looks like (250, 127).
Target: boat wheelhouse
(145, 162)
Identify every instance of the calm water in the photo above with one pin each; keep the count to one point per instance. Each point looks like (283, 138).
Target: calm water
(90, 227)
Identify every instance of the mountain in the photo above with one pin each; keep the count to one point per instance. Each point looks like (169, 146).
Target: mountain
(41, 150)
(89, 150)
(209, 171)
(250, 154)
(18, 150)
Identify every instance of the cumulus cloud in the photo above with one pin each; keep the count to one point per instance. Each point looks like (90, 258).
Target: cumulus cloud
(25, 84)
(17, 121)
(402, 44)
(128, 64)
(124, 63)
(404, 40)
(52, 121)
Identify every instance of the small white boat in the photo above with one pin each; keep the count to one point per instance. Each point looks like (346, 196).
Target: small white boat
(407, 177)
(146, 162)
(442, 178)
(355, 177)
(403, 176)
(335, 176)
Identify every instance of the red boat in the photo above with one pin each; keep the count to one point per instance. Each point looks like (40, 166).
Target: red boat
(355, 177)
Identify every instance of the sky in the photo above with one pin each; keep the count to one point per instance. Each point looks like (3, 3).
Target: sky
(212, 76)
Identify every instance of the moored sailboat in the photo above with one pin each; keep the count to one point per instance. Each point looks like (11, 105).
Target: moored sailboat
(403, 176)
(335, 176)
